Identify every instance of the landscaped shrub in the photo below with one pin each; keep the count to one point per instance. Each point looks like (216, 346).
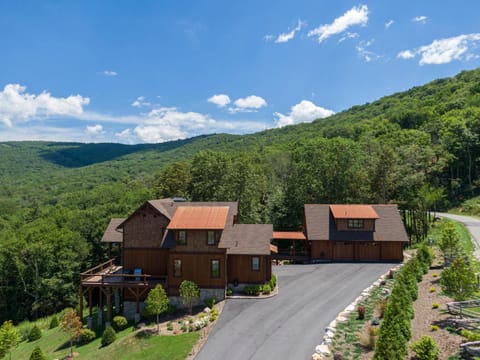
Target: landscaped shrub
(361, 312)
(459, 280)
(38, 354)
(109, 336)
(54, 322)
(470, 335)
(213, 315)
(273, 281)
(169, 326)
(435, 305)
(425, 349)
(184, 328)
(267, 289)
(35, 333)
(229, 291)
(172, 309)
(210, 303)
(120, 323)
(87, 335)
(434, 328)
(433, 289)
(252, 290)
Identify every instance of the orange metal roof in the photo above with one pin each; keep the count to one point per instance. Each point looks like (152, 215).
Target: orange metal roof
(353, 212)
(199, 217)
(290, 235)
(274, 249)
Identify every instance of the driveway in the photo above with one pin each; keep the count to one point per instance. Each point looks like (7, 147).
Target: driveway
(472, 224)
(291, 324)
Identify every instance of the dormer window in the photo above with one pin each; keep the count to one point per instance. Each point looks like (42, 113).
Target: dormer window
(355, 223)
(182, 237)
(211, 237)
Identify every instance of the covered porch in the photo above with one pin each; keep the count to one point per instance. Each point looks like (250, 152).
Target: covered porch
(292, 246)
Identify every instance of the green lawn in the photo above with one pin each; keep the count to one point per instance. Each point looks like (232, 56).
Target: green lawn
(127, 346)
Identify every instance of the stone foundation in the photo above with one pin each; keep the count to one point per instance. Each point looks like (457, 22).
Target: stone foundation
(130, 309)
(217, 294)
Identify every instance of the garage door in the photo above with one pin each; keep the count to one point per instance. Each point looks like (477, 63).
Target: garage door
(367, 251)
(343, 251)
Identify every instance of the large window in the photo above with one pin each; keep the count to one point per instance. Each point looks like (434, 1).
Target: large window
(215, 268)
(355, 224)
(182, 237)
(210, 237)
(177, 268)
(255, 263)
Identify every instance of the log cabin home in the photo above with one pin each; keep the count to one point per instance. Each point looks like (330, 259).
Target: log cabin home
(167, 241)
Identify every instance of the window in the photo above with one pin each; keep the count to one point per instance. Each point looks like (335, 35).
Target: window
(182, 237)
(215, 268)
(211, 238)
(255, 263)
(177, 268)
(355, 223)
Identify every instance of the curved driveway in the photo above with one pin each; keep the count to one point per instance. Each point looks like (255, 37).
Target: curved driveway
(291, 324)
(472, 224)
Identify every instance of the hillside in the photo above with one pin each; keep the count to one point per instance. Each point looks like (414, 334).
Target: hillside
(418, 148)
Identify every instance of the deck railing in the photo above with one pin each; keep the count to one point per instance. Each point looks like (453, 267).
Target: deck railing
(99, 268)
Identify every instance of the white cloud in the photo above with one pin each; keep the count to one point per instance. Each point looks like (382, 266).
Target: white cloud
(286, 37)
(389, 23)
(268, 37)
(252, 102)
(16, 105)
(355, 16)
(406, 54)
(221, 100)
(110, 73)
(304, 111)
(421, 19)
(140, 102)
(443, 51)
(94, 129)
(365, 53)
(349, 35)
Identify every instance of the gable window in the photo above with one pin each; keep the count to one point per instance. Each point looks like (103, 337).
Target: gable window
(215, 268)
(182, 237)
(255, 263)
(210, 237)
(355, 224)
(177, 268)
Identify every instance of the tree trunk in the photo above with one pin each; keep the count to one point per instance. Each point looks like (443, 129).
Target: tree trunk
(158, 325)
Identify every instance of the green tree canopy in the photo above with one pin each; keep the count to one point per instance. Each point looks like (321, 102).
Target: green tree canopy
(157, 303)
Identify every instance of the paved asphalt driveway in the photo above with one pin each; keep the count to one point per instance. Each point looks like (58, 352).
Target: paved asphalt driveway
(289, 325)
(472, 224)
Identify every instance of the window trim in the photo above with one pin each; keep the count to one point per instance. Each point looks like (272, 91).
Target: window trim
(355, 223)
(184, 242)
(174, 268)
(258, 264)
(212, 261)
(214, 238)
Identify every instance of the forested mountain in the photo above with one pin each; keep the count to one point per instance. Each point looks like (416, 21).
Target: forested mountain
(418, 148)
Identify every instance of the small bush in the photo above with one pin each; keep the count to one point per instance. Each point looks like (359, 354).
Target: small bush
(435, 275)
(120, 323)
(434, 328)
(34, 334)
(361, 312)
(87, 335)
(54, 322)
(368, 337)
(109, 336)
(172, 309)
(273, 281)
(170, 326)
(201, 315)
(38, 354)
(382, 305)
(252, 290)
(266, 289)
(184, 328)
(337, 356)
(470, 335)
(425, 349)
(432, 289)
(210, 303)
(191, 328)
(435, 305)
(229, 292)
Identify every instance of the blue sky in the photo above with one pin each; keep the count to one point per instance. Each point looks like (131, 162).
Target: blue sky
(153, 71)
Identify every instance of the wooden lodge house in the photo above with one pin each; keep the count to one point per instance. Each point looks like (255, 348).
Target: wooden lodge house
(169, 240)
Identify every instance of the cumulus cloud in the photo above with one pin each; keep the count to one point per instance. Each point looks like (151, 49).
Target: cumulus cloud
(16, 105)
(389, 23)
(286, 37)
(304, 111)
(140, 102)
(94, 129)
(221, 100)
(248, 104)
(443, 51)
(357, 15)
(109, 73)
(421, 19)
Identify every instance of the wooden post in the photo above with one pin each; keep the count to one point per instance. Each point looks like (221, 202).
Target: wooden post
(81, 303)
(109, 304)
(90, 302)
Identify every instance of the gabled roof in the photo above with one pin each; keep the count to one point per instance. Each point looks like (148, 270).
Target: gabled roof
(353, 212)
(199, 217)
(289, 235)
(320, 225)
(112, 234)
(247, 239)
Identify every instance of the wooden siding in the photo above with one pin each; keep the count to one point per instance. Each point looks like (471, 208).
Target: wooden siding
(197, 242)
(342, 225)
(343, 250)
(240, 269)
(197, 268)
(367, 251)
(357, 250)
(322, 250)
(144, 229)
(392, 251)
(151, 261)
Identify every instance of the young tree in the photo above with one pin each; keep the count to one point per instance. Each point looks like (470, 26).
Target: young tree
(459, 280)
(189, 292)
(37, 354)
(9, 338)
(450, 241)
(157, 303)
(72, 325)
